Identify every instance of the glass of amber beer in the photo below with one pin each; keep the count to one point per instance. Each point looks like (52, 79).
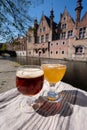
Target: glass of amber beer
(53, 73)
(29, 82)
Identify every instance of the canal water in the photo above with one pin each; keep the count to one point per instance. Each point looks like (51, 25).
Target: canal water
(76, 73)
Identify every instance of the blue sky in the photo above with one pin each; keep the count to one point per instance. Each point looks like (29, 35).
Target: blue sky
(58, 7)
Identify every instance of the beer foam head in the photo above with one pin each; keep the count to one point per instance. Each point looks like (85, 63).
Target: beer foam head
(29, 73)
(53, 66)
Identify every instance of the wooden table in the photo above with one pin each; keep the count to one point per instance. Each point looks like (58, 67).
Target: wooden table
(69, 114)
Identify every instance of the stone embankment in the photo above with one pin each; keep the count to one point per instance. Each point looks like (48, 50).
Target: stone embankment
(7, 74)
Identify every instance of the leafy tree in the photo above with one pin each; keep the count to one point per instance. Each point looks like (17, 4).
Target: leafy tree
(3, 48)
(15, 17)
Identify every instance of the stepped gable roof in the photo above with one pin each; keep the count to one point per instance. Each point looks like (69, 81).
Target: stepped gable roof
(47, 19)
(67, 12)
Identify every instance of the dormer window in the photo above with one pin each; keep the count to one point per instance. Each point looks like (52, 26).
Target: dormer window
(44, 29)
(64, 18)
(40, 29)
(63, 26)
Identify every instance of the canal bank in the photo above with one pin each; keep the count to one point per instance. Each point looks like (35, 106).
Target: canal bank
(7, 75)
(76, 73)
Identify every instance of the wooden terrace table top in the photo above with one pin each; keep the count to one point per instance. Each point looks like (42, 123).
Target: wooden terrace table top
(69, 114)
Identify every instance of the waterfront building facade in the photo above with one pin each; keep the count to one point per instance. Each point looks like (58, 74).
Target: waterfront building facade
(64, 40)
(18, 45)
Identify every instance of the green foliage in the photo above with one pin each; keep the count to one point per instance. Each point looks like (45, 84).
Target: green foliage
(4, 47)
(15, 17)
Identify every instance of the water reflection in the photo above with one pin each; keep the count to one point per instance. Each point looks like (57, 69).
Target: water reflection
(76, 73)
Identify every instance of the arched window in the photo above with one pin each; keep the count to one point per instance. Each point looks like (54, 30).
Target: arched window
(79, 50)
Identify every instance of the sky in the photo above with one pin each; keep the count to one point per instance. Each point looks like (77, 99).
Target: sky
(58, 7)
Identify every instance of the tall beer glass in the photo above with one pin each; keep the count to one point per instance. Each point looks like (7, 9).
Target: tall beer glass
(53, 73)
(29, 82)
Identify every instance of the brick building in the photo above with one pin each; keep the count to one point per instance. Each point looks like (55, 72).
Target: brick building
(64, 40)
(18, 45)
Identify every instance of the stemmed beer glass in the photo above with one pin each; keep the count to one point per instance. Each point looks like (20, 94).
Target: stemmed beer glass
(53, 73)
(29, 82)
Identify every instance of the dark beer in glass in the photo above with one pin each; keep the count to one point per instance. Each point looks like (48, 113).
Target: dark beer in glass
(29, 82)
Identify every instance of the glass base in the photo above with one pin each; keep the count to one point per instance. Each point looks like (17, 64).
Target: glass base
(52, 96)
(29, 106)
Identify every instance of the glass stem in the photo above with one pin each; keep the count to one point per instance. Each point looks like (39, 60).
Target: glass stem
(52, 87)
(51, 93)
